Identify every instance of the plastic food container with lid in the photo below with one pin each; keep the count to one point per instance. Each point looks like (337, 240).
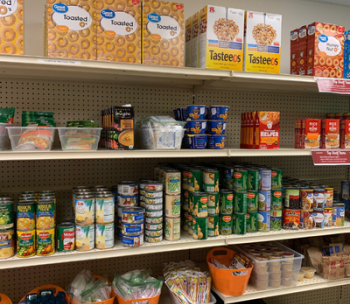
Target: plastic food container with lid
(4, 137)
(79, 138)
(309, 272)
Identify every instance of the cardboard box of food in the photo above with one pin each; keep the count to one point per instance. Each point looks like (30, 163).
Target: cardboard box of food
(267, 130)
(262, 43)
(302, 50)
(195, 25)
(346, 55)
(308, 133)
(188, 40)
(345, 134)
(294, 52)
(330, 137)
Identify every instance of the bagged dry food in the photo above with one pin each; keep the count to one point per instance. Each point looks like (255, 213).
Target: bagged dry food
(36, 138)
(315, 257)
(336, 249)
(38, 119)
(7, 115)
(333, 267)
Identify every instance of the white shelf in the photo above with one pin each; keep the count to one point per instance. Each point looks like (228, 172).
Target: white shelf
(306, 285)
(186, 242)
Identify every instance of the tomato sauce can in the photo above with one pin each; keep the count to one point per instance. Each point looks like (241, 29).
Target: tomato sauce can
(264, 179)
(252, 201)
(252, 222)
(328, 192)
(328, 217)
(264, 200)
(65, 237)
(276, 199)
(264, 221)
(26, 215)
(213, 225)
(239, 223)
(240, 202)
(318, 217)
(306, 220)
(307, 198)
(45, 214)
(319, 199)
(85, 237)
(213, 203)
(291, 219)
(338, 214)
(45, 241)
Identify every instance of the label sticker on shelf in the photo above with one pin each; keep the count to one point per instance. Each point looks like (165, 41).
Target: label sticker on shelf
(55, 61)
(331, 158)
(333, 85)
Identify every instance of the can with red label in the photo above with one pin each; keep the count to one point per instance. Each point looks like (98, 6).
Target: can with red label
(328, 193)
(328, 217)
(306, 221)
(66, 237)
(276, 199)
(319, 199)
(291, 219)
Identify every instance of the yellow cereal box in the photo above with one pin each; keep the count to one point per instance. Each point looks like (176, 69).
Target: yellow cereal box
(221, 38)
(72, 28)
(263, 42)
(195, 40)
(11, 27)
(188, 46)
(121, 24)
(163, 29)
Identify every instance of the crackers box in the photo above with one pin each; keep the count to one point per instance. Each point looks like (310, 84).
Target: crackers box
(325, 50)
(267, 130)
(11, 27)
(294, 52)
(188, 41)
(195, 25)
(302, 50)
(221, 38)
(70, 30)
(119, 37)
(345, 134)
(263, 42)
(330, 137)
(163, 33)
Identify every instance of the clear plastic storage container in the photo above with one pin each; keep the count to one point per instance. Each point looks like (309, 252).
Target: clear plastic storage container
(31, 138)
(274, 272)
(4, 137)
(79, 138)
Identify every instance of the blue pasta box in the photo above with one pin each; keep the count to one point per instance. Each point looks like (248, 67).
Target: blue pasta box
(347, 55)
(196, 127)
(196, 112)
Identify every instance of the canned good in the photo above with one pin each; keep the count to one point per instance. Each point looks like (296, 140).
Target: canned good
(306, 219)
(252, 222)
(307, 198)
(291, 219)
(172, 181)
(104, 238)
(276, 219)
(264, 200)
(25, 243)
(328, 192)
(128, 201)
(151, 186)
(186, 200)
(213, 203)
(239, 223)
(153, 206)
(128, 188)
(105, 208)
(172, 205)
(210, 180)
(276, 199)
(225, 224)
(338, 214)
(200, 228)
(133, 215)
(240, 202)
(228, 178)
(184, 177)
(213, 225)
(199, 204)
(132, 241)
(252, 201)
(154, 232)
(6, 214)
(194, 179)
(153, 213)
(226, 201)
(240, 179)
(190, 224)
(132, 229)
(264, 179)
(154, 220)
(264, 221)
(154, 226)
(292, 198)
(153, 239)
(26, 215)
(65, 237)
(84, 209)
(345, 189)
(253, 180)
(172, 228)
(328, 217)
(45, 241)
(7, 243)
(45, 214)
(276, 178)
(319, 199)
(84, 237)
(151, 194)
(318, 217)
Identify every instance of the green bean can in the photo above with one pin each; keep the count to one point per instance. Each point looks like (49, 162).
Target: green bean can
(186, 200)
(276, 178)
(225, 224)
(190, 223)
(6, 214)
(226, 201)
(253, 179)
(194, 179)
(213, 225)
(200, 228)
(240, 179)
(210, 180)
(239, 223)
(213, 203)
(275, 219)
(172, 179)
(66, 237)
(252, 222)
(200, 204)
(184, 177)
(276, 199)
(240, 202)
(252, 200)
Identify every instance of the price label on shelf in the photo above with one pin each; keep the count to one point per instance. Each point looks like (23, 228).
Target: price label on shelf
(333, 85)
(331, 158)
(55, 61)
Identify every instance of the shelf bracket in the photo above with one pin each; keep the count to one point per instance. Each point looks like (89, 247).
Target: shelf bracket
(206, 84)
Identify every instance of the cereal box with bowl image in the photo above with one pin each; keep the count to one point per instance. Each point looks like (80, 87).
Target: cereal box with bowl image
(11, 27)
(325, 50)
(263, 39)
(163, 33)
(302, 50)
(119, 37)
(71, 28)
(221, 38)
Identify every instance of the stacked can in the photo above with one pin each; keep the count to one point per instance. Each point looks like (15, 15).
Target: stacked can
(240, 203)
(7, 226)
(276, 221)
(264, 200)
(252, 200)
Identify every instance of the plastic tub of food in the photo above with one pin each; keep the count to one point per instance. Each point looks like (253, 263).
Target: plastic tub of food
(260, 276)
(31, 138)
(261, 269)
(287, 266)
(309, 272)
(275, 283)
(79, 138)
(4, 137)
(276, 275)
(287, 282)
(301, 275)
(259, 284)
(287, 274)
(274, 267)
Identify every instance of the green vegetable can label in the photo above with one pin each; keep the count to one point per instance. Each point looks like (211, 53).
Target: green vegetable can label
(194, 180)
(252, 222)
(240, 178)
(213, 225)
(275, 219)
(213, 203)
(186, 200)
(226, 202)
(252, 201)
(6, 215)
(276, 178)
(240, 202)
(253, 180)
(172, 205)
(239, 223)
(276, 199)
(190, 223)
(210, 180)
(200, 204)
(66, 237)
(172, 182)
(200, 228)
(225, 224)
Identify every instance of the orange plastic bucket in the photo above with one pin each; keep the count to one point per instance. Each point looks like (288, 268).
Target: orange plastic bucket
(48, 286)
(153, 300)
(223, 280)
(4, 299)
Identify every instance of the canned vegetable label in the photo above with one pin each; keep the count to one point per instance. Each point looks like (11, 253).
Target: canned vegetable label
(172, 182)
(264, 200)
(292, 198)
(200, 228)
(200, 204)
(84, 210)
(276, 178)
(105, 210)
(104, 235)
(213, 203)
(25, 216)
(195, 180)
(186, 200)
(45, 241)
(252, 222)
(85, 237)
(240, 180)
(276, 199)
(213, 225)
(65, 237)
(240, 202)
(173, 205)
(226, 202)
(172, 229)
(6, 215)
(210, 180)
(45, 215)
(240, 223)
(252, 201)
(225, 224)
(291, 219)
(264, 179)
(264, 221)
(228, 178)
(25, 243)
(253, 180)
(276, 219)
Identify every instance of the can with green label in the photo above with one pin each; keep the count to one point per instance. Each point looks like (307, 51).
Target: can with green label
(190, 223)
(66, 237)
(194, 179)
(276, 178)
(6, 214)
(184, 220)
(253, 179)
(226, 201)
(240, 179)
(252, 222)
(225, 224)
(276, 199)
(213, 225)
(200, 204)
(240, 202)
(200, 228)
(184, 177)
(239, 223)
(213, 203)
(252, 200)
(276, 220)
(210, 180)
(186, 200)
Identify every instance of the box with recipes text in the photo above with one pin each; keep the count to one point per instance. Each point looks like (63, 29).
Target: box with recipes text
(263, 38)
(221, 38)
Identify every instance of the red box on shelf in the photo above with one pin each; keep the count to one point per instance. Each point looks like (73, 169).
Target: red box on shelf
(330, 138)
(345, 134)
(310, 133)
(267, 130)
(294, 51)
(302, 50)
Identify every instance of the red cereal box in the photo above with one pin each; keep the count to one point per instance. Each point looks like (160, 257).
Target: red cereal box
(330, 134)
(302, 50)
(267, 130)
(310, 133)
(345, 134)
(294, 60)
(297, 134)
